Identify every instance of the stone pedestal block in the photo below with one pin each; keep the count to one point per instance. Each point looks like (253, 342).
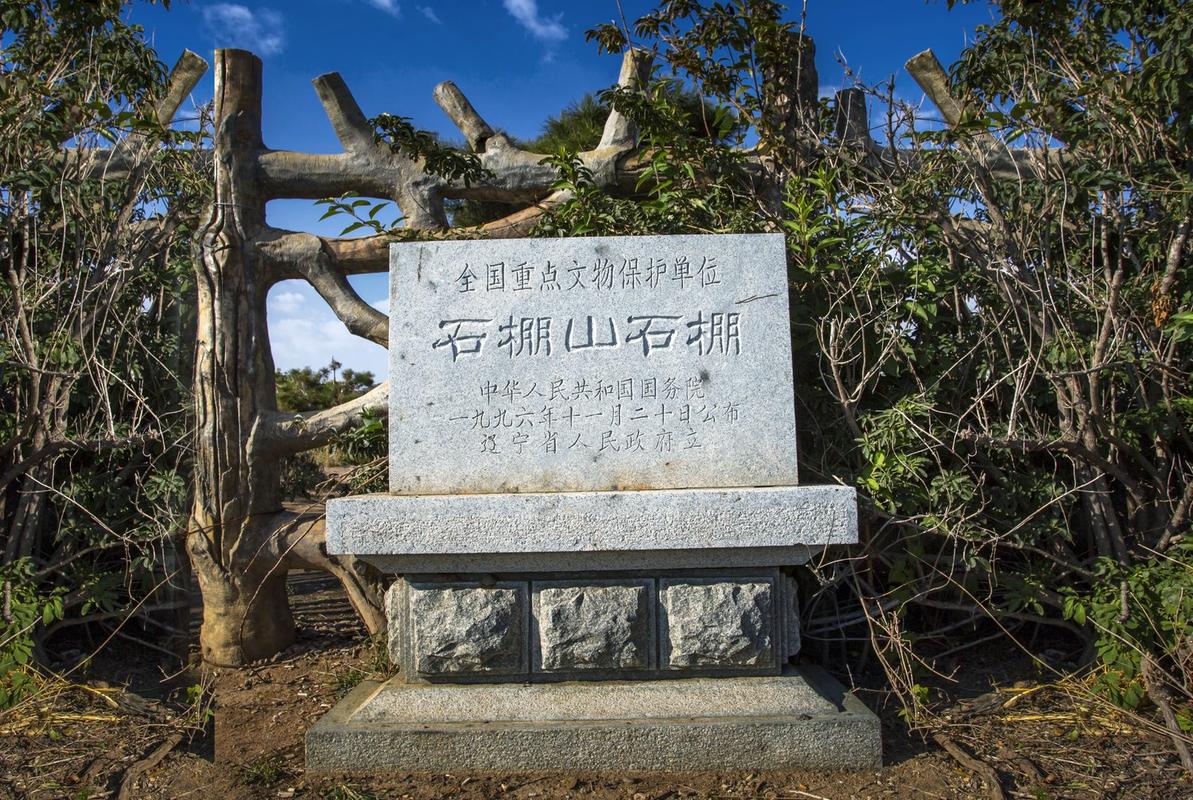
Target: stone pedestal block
(467, 629)
(801, 718)
(590, 626)
(594, 517)
(638, 624)
(600, 531)
(718, 624)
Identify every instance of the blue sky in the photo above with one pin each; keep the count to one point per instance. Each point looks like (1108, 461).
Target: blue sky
(518, 61)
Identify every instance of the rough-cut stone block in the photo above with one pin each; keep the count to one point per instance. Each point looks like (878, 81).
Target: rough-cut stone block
(667, 529)
(395, 604)
(598, 363)
(473, 630)
(724, 624)
(594, 626)
(789, 618)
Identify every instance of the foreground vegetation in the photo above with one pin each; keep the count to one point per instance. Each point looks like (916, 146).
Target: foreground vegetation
(999, 309)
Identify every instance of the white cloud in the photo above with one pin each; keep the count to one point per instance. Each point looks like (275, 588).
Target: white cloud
(233, 25)
(303, 332)
(388, 6)
(287, 302)
(430, 14)
(526, 12)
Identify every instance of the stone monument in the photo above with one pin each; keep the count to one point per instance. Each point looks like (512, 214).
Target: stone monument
(594, 516)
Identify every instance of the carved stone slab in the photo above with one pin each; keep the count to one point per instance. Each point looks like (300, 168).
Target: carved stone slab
(538, 365)
(664, 529)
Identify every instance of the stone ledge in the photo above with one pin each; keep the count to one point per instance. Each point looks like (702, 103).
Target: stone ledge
(674, 528)
(800, 719)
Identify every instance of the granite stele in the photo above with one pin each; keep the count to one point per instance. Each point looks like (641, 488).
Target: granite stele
(594, 517)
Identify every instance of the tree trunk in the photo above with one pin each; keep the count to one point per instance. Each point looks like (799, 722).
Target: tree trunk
(245, 611)
(240, 544)
(239, 539)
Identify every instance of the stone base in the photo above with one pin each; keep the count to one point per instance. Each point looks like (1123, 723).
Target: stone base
(518, 627)
(802, 718)
(548, 532)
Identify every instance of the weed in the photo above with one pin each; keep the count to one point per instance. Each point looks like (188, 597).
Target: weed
(265, 771)
(346, 680)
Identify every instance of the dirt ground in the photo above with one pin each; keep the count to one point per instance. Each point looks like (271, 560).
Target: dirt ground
(121, 727)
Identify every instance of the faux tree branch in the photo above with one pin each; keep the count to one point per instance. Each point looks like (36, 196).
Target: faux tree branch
(453, 102)
(284, 434)
(348, 121)
(119, 160)
(184, 77)
(302, 536)
(304, 255)
(513, 175)
(999, 161)
(928, 72)
(370, 254)
(619, 131)
(365, 166)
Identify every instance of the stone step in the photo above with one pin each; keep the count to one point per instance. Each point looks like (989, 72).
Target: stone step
(801, 719)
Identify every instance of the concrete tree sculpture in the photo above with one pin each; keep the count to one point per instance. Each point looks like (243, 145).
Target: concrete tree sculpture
(240, 541)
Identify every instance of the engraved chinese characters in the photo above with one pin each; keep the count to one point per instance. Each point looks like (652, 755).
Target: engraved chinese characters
(590, 364)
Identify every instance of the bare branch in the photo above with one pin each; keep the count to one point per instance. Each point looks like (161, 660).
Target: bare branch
(287, 251)
(1158, 692)
(1176, 251)
(351, 127)
(60, 446)
(1070, 448)
(453, 102)
(620, 132)
(280, 433)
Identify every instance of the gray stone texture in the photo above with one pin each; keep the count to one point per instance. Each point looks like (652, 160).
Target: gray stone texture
(394, 616)
(468, 629)
(594, 627)
(789, 618)
(721, 624)
(597, 363)
(543, 439)
(588, 701)
(592, 530)
(802, 719)
(574, 626)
